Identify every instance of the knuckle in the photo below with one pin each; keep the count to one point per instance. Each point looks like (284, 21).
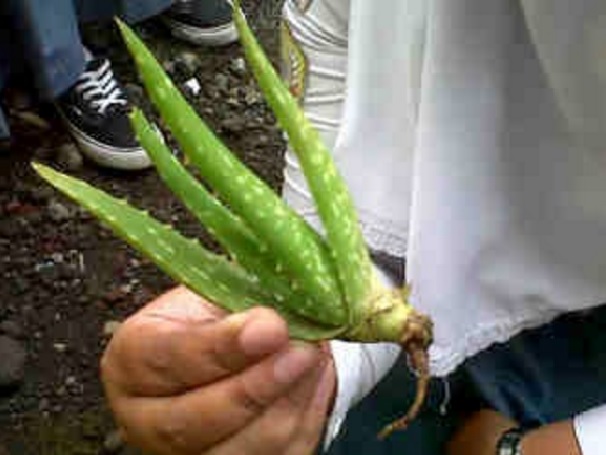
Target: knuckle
(174, 433)
(253, 403)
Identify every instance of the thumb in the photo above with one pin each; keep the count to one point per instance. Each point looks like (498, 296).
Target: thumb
(157, 352)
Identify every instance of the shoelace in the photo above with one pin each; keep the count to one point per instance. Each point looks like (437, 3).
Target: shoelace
(100, 88)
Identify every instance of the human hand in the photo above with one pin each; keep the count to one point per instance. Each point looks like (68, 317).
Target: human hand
(480, 433)
(182, 378)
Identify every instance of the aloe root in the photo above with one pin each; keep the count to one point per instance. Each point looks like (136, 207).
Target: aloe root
(324, 287)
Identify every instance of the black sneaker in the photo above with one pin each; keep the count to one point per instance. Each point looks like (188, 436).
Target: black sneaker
(95, 110)
(206, 22)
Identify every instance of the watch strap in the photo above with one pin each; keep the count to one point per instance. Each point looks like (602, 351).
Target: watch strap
(510, 442)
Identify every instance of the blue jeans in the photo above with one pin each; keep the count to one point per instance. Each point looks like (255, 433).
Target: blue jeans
(43, 36)
(540, 376)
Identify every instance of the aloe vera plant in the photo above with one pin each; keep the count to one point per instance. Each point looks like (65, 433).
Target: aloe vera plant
(324, 287)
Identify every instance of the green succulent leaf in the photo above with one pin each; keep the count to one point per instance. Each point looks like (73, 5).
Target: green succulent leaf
(296, 247)
(209, 275)
(333, 201)
(231, 232)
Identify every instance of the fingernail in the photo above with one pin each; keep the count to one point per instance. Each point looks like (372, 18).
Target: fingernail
(293, 363)
(262, 335)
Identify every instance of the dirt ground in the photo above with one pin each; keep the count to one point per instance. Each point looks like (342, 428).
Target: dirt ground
(65, 282)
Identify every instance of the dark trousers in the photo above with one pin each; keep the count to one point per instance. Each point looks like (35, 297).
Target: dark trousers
(540, 376)
(43, 36)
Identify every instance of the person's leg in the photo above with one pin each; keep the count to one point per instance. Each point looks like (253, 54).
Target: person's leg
(427, 434)
(131, 11)
(547, 374)
(84, 88)
(47, 32)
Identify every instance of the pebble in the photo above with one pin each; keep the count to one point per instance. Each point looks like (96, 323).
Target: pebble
(111, 327)
(69, 157)
(233, 124)
(193, 86)
(189, 60)
(222, 82)
(238, 66)
(58, 212)
(60, 347)
(13, 357)
(112, 443)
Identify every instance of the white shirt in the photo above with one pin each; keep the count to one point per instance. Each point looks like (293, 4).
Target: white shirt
(486, 122)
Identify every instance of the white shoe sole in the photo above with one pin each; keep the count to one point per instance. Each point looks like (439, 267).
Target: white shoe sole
(133, 159)
(220, 35)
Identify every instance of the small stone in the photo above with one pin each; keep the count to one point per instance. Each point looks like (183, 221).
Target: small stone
(222, 82)
(190, 61)
(69, 157)
(252, 97)
(57, 258)
(233, 124)
(111, 327)
(60, 347)
(13, 357)
(58, 212)
(113, 442)
(193, 86)
(238, 66)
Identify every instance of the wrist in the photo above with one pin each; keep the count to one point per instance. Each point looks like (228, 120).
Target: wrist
(554, 439)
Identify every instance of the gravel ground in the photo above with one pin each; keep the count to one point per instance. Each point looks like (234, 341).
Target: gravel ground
(66, 283)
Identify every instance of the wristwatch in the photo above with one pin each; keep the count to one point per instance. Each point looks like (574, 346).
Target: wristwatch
(510, 442)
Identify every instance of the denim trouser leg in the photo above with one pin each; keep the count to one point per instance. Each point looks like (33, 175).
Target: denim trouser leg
(48, 33)
(547, 374)
(543, 375)
(128, 10)
(427, 435)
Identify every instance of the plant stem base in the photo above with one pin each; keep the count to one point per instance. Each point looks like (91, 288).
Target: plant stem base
(416, 340)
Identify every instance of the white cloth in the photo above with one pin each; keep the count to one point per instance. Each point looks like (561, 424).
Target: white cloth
(589, 428)
(472, 135)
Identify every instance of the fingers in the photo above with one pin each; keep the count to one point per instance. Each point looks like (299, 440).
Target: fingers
(292, 426)
(177, 343)
(208, 415)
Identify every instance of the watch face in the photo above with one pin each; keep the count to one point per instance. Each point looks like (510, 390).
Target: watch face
(509, 444)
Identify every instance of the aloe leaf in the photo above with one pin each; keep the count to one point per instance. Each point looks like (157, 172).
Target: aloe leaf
(328, 188)
(209, 275)
(296, 247)
(231, 232)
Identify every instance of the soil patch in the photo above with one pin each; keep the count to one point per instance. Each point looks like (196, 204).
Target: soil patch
(65, 281)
